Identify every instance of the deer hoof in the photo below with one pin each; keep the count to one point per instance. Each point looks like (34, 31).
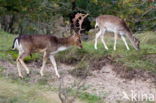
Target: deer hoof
(20, 76)
(95, 48)
(58, 76)
(28, 74)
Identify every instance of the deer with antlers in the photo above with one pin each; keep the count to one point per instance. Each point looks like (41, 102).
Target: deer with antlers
(117, 26)
(47, 44)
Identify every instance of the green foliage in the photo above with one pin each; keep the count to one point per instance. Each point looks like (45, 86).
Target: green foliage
(34, 15)
(5, 45)
(17, 93)
(90, 98)
(6, 40)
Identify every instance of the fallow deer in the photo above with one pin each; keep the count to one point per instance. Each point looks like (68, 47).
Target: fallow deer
(47, 44)
(116, 25)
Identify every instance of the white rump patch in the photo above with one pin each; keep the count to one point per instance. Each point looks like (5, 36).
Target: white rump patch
(18, 46)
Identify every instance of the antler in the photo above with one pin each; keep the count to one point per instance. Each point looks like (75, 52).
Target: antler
(81, 21)
(79, 18)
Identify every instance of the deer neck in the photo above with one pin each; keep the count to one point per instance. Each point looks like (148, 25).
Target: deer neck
(64, 42)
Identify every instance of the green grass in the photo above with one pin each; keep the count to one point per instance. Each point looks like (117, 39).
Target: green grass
(17, 91)
(137, 59)
(5, 45)
(11, 92)
(90, 98)
(6, 40)
(130, 59)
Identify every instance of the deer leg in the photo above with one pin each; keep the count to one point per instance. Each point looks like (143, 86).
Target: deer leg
(18, 68)
(45, 58)
(21, 58)
(96, 37)
(123, 38)
(102, 39)
(115, 39)
(52, 59)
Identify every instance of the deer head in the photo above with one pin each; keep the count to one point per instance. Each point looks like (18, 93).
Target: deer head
(136, 43)
(75, 39)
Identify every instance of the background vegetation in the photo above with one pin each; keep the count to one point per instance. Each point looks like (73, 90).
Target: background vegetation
(41, 16)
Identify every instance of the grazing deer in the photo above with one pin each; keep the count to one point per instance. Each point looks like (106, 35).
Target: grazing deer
(117, 26)
(47, 44)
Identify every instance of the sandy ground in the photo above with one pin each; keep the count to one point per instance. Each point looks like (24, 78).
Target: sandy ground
(104, 83)
(53, 97)
(113, 88)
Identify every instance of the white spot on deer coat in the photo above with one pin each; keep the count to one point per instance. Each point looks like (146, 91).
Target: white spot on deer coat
(18, 46)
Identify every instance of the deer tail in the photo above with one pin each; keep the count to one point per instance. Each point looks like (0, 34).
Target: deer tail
(15, 43)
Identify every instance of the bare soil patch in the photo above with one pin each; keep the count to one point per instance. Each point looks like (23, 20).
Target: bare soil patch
(109, 81)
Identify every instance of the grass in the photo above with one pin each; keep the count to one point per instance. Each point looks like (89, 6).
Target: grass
(90, 98)
(13, 90)
(138, 59)
(16, 93)
(19, 92)
(6, 40)
(130, 59)
(5, 45)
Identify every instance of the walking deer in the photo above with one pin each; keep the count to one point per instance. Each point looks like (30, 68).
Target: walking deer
(47, 44)
(117, 26)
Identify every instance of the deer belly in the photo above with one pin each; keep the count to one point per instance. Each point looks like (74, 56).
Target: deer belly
(42, 50)
(62, 48)
(111, 29)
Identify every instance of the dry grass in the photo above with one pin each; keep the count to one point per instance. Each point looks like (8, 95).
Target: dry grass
(17, 93)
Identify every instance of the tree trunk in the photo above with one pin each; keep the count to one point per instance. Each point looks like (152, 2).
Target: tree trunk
(7, 23)
(73, 4)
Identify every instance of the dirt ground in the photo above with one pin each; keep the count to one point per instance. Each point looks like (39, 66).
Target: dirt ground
(105, 82)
